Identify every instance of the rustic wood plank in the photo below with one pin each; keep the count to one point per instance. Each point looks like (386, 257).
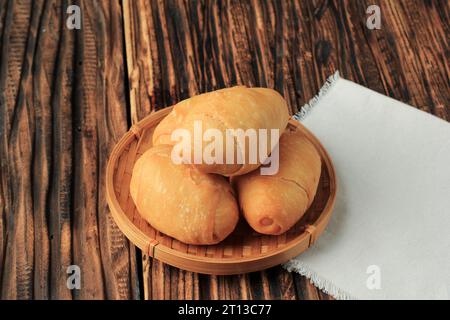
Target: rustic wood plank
(60, 207)
(43, 67)
(99, 248)
(18, 129)
(430, 44)
(118, 255)
(3, 180)
(63, 108)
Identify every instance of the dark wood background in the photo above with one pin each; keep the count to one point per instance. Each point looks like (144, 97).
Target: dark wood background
(66, 97)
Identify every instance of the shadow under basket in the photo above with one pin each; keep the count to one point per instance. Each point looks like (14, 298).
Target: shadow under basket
(244, 250)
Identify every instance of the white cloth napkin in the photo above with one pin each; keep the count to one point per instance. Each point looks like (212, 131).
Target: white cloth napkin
(389, 236)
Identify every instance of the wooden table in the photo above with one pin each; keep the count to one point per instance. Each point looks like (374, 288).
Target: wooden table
(66, 97)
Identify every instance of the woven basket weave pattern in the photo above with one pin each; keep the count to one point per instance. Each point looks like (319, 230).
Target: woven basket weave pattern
(244, 250)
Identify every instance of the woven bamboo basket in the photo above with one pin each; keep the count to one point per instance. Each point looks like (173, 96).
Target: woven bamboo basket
(244, 250)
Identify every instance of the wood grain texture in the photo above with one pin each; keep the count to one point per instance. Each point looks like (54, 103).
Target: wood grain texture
(62, 110)
(18, 122)
(66, 97)
(60, 205)
(102, 252)
(179, 48)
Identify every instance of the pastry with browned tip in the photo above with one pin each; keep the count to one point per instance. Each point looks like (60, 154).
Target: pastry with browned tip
(273, 204)
(231, 108)
(181, 201)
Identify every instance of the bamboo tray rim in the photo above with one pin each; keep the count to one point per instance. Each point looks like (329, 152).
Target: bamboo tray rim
(162, 252)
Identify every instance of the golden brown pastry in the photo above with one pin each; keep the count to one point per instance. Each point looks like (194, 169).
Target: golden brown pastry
(230, 108)
(273, 204)
(182, 202)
